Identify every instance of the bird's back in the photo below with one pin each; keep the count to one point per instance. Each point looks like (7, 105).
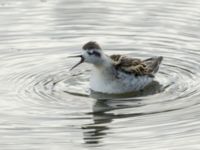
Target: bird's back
(136, 66)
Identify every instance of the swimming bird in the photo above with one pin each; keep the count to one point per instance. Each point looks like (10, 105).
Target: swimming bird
(117, 73)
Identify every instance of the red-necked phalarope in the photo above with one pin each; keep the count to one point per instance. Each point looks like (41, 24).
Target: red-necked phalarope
(117, 73)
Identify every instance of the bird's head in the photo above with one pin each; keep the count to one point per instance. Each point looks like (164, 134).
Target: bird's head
(92, 53)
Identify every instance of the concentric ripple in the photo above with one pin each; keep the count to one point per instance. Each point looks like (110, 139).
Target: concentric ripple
(45, 106)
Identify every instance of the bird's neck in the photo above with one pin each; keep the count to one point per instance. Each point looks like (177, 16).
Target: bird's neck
(105, 64)
(105, 70)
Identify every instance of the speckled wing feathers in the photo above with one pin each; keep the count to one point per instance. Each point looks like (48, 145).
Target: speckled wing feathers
(136, 66)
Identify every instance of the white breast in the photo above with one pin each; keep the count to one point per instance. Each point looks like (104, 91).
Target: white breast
(104, 81)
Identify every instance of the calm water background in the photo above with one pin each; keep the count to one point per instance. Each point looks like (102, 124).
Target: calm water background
(44, 106)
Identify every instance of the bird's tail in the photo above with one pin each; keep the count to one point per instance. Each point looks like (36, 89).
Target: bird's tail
(153, 64)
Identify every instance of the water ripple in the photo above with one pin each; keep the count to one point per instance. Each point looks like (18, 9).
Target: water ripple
(43, 105)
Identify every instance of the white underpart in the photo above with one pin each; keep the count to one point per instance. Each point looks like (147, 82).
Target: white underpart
(103, 80)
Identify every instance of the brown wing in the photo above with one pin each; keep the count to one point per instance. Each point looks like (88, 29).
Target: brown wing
(136, 66)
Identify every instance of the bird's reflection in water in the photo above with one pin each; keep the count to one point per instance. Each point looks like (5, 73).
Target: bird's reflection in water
(94, 132)
(102, 113)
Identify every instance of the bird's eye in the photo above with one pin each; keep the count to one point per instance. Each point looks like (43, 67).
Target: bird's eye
(90, 52)
(95, 53)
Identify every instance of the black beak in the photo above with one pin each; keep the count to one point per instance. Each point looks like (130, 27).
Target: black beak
(80, 62)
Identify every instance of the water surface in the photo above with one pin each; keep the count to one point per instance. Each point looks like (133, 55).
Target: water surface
(44, 106)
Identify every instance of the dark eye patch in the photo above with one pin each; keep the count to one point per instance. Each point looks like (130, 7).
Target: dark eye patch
(97, 54)
(90, 53)
(94, 53)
